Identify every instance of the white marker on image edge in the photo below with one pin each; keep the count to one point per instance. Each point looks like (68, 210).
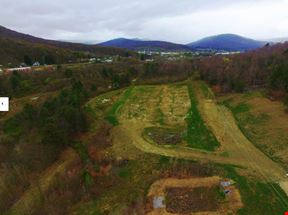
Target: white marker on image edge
(4, 103)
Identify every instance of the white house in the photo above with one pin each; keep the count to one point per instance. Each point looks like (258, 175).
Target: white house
(108, 61)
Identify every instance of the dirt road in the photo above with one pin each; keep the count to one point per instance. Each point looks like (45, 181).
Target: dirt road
(30, 199)
(223, 125)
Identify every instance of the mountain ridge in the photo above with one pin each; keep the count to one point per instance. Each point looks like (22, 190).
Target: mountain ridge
(221, 42)
(227, 42)
(149, 45)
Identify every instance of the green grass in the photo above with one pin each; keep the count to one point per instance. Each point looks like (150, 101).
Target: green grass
(164, 161)
(160, 118)
(198, 135)
(224, 154)
(259, 198)
(12, 127)
(206, 91)
(236, 109)
(111, 116)
(124, 173)
(82, 151)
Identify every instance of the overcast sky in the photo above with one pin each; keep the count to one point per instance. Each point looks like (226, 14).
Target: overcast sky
(181, 21)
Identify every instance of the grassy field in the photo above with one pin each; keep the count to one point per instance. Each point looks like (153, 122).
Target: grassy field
(264, 122)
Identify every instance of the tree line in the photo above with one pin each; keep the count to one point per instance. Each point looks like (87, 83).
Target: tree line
(263, 68)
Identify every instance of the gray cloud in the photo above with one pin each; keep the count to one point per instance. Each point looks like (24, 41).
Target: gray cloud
(179, 21)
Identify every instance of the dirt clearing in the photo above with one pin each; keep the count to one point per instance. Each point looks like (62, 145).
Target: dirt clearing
(183, 200)
(193, 196)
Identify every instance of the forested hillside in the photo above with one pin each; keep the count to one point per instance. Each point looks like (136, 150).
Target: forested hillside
(15, 46)
(266, 67)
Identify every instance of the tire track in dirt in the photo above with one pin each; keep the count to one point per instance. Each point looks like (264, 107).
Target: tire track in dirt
(132, 130)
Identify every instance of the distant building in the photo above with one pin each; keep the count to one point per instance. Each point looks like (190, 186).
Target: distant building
(149, 60)
(108, 61)
(23, 65)
(36, 63)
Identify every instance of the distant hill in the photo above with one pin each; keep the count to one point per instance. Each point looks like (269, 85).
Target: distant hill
(227, 42)
(14, 46)
(140, 45)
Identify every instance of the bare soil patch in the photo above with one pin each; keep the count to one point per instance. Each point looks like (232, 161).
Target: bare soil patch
(193, 196)
(175, 103)
(164, 136)
(183, 200)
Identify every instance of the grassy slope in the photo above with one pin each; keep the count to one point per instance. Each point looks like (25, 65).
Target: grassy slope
(198, 135)
(253, 126)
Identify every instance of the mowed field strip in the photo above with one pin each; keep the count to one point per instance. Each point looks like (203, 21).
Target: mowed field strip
(155, 106)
